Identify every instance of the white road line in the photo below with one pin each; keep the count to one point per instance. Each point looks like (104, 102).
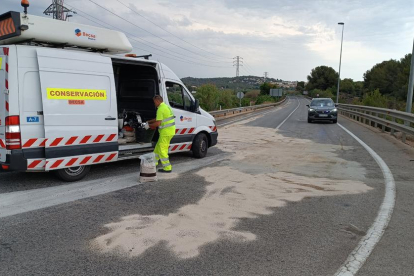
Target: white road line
(289, 115)
(361, 253)
(254, 115)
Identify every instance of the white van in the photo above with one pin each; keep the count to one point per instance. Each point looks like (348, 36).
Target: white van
(63, 88)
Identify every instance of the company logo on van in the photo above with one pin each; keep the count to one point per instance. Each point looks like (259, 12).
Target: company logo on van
(78, 32)
(84, 34)
(188, 119)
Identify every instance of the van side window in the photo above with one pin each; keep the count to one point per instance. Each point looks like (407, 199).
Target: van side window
(178, 96)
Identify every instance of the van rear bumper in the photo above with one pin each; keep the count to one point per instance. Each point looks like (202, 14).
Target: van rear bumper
(16, 161)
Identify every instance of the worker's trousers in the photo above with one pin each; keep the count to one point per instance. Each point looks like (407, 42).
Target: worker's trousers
(161, 152)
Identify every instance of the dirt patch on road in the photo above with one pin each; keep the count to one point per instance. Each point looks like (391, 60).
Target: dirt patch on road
(266, 171)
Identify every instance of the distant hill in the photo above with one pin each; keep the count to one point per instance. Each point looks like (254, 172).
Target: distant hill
(240, 83)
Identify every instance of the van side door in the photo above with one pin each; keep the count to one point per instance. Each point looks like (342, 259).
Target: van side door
(79, 106)
(186, 120)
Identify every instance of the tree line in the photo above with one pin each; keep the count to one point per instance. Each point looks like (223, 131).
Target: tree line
(384, 85)
(212, 98)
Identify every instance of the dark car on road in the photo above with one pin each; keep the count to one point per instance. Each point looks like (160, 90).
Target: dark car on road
(322, 109)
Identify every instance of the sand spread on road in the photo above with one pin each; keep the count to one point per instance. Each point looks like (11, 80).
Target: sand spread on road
(266, 170)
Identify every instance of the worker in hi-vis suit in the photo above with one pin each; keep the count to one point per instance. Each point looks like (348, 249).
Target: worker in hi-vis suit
(165, 121)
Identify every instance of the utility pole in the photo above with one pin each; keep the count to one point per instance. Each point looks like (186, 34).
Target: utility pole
(340, 61)
(266, 74)
(58, 10)
(238, 61)
(409, 105)
(410, 85)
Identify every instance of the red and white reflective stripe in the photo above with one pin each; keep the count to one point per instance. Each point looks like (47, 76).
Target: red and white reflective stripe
(69, 141)
(36, 164)
(75, 161)
(180, 147)
(183, 131)
(213, 128)
(6, 104)
(81, 140)
(2, 144)
(34, 143)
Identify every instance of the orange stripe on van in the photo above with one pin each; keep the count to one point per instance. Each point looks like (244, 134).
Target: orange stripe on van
(2, 28)
(7, 27)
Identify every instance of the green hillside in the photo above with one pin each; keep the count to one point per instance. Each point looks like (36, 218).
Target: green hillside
(239, 83)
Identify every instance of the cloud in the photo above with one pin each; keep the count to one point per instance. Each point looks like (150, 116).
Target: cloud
(285, 38)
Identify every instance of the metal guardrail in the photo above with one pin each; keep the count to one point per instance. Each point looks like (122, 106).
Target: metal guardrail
(235, 111)
(386, 119)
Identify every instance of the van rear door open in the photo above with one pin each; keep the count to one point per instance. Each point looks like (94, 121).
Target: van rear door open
(79, 106)
(2, 105)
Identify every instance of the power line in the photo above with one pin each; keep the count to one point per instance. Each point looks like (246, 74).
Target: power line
(249, 67)
(148, 31)
(246, 69)
(170, 32)
(247, 72)
(155, 46)
(132, 37)
(180, 58)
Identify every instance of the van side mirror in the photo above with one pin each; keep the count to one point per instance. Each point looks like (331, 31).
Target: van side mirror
(195, 106)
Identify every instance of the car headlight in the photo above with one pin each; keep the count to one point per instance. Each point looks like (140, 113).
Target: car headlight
(311, 110)
(334, 110)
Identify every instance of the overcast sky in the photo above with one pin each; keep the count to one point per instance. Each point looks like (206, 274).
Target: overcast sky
(286, 38)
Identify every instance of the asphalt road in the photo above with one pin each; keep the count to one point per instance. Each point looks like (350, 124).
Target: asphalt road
(313, 236)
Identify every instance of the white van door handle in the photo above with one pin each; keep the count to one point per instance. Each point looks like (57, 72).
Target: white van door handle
(110, 119)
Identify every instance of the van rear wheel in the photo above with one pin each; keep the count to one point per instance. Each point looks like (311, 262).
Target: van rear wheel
(73, 174)
(200, 146)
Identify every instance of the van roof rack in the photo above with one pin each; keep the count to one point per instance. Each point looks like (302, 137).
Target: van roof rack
(34, 42)
(19, 28)
(135, 56)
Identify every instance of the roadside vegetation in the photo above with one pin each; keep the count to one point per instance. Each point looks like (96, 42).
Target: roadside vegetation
(384, 85)
(212, 98)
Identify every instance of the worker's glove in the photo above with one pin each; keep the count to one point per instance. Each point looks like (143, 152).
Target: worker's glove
(146, 125)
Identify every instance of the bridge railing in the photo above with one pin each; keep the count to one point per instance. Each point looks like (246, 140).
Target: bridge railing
(386, 119)
(221, 114)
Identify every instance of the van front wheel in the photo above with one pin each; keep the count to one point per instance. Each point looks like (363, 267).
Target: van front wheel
(200, 146)
(73, 174)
